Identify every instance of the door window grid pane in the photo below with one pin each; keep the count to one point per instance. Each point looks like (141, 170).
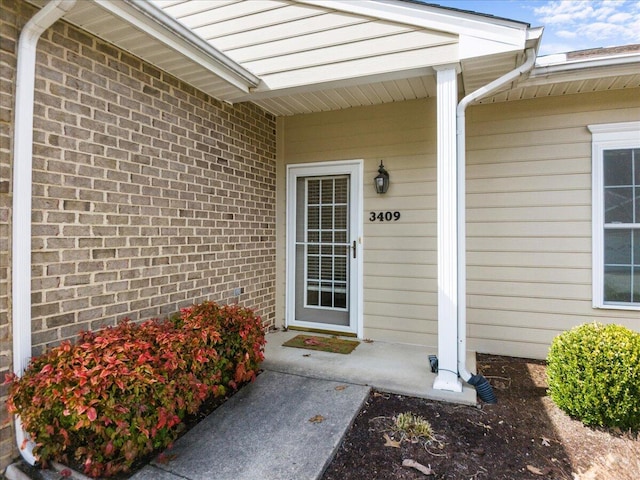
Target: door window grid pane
(326, 272)
(621, 226)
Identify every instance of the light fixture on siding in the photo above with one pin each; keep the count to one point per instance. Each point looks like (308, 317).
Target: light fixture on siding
(381, 182)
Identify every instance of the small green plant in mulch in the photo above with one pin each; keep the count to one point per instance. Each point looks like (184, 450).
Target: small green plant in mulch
(412, 428)
(325, 344)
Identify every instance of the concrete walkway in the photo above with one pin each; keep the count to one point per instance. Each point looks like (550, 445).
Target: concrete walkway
(289, 423)
(281, 427)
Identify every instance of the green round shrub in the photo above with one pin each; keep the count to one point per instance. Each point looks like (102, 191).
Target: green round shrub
(594, 375)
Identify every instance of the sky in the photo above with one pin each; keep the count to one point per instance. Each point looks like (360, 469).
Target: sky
(570, 25)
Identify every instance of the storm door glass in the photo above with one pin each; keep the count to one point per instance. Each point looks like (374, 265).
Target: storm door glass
(322, 250)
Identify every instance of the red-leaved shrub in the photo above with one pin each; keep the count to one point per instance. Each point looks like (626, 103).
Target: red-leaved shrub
(122, 392)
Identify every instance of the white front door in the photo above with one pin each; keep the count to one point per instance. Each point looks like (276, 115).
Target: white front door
(324, 246)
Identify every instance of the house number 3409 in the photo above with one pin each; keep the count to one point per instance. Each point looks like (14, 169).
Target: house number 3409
(384, 216)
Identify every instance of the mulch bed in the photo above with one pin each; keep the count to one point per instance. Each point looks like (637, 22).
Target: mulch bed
(523, 436)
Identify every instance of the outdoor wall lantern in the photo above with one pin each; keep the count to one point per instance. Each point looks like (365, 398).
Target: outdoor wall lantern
(381, 181)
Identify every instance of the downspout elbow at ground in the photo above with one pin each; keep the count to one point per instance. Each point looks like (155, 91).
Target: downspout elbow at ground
(22, 180)
(488, 89)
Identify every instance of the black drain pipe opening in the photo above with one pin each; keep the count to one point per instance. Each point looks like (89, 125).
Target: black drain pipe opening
(483, 388)
(481, 384)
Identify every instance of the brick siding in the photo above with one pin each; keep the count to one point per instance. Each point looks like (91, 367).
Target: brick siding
(148, 195)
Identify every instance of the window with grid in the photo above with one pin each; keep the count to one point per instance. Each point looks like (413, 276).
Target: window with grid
(616, 215)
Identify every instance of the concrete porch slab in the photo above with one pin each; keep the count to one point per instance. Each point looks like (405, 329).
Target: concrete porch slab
(391, 367)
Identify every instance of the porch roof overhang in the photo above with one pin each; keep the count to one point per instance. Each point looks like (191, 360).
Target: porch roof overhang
(303, 56)
(591, 70)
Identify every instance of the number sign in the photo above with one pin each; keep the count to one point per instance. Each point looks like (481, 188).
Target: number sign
(384, 216)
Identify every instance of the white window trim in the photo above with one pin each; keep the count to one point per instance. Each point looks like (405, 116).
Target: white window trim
(605, 137)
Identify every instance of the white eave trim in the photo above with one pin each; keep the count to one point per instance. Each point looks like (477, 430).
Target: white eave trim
(560, 70)
(260, 94)
(154, 22)
(503, 31)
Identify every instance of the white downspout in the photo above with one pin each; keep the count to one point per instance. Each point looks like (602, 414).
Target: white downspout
(461, 174)
(22, 178)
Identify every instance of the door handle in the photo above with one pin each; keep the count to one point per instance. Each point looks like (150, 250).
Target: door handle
(355, 249)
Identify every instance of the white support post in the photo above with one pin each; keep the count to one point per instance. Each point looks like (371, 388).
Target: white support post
(447, 99)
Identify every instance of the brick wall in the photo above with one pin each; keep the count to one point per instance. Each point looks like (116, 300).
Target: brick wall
(148, 195)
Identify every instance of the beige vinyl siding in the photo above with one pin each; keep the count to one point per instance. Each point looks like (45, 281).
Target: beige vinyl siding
(400, 293)
(529, 219)
(528, 215)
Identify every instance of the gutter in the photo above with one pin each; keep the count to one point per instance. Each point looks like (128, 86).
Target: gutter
(558, 68)
(478, 381)
(22, 180)
(554, 64)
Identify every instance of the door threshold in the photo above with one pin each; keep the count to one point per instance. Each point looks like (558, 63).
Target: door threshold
(327, 332)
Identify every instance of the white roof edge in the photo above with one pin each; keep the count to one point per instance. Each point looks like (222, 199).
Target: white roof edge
(434, 18)
(559, 63)
(154, 22)
(554, 69)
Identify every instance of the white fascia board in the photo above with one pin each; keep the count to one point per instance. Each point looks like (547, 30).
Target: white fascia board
(475, 46)
(155, 23)
(499, 30)
(556, 69)
(264, 93)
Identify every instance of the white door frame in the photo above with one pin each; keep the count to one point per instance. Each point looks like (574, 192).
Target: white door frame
(353, 168)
